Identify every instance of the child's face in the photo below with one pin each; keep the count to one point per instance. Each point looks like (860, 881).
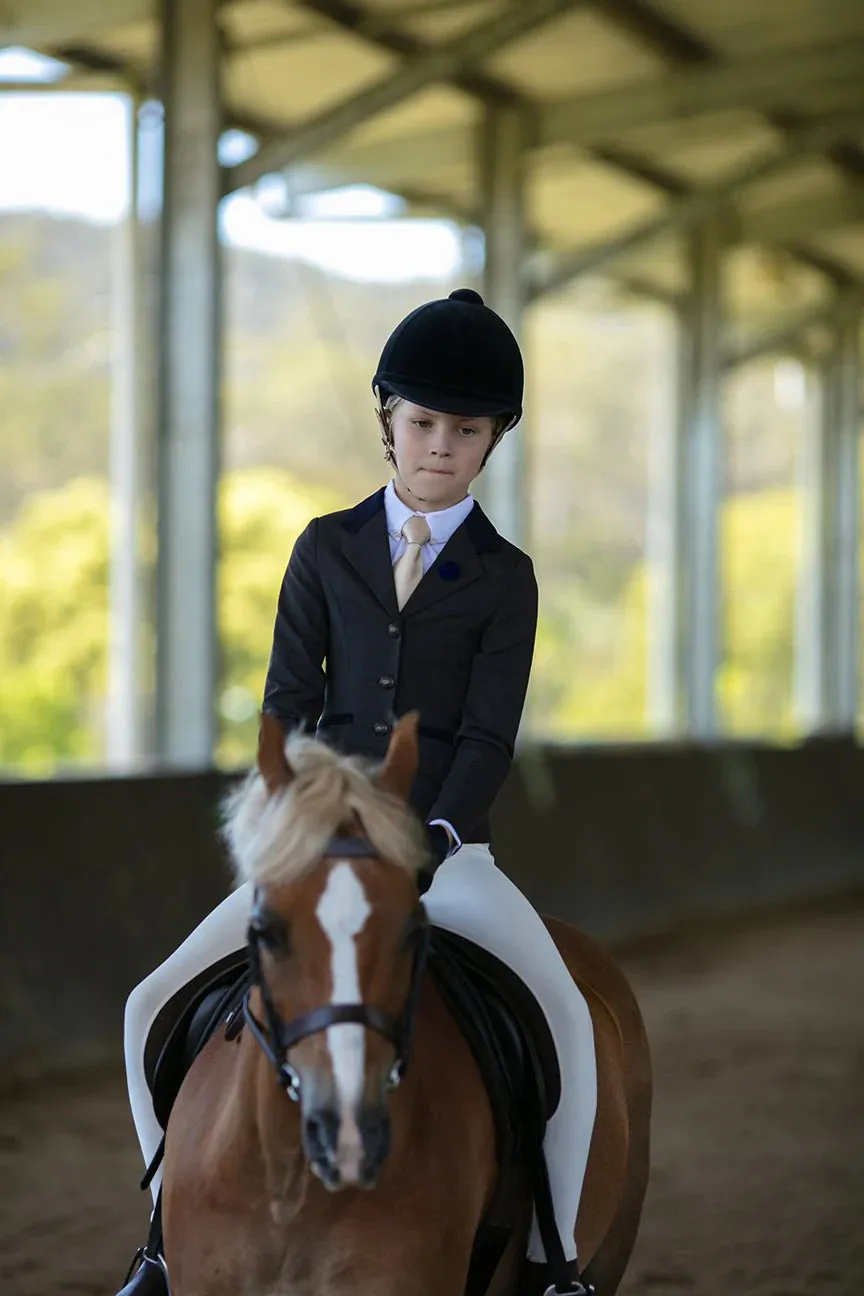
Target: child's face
(437, 455)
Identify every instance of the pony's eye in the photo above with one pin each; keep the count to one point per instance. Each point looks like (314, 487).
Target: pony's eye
(271, 930)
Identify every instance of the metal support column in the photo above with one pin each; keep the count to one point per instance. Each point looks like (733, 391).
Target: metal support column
(844, 661)
(812, 618)
(503, 486)
(189, 337)
(664, 542)
(123, 716)
(701, 448)
(828, 600)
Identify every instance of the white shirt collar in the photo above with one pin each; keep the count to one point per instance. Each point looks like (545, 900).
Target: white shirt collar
(442, 523)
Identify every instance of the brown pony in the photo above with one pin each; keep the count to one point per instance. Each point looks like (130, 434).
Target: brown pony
(251, 1200)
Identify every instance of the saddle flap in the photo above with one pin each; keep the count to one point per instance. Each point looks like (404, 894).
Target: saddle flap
(185, 1024)
(508, 1034)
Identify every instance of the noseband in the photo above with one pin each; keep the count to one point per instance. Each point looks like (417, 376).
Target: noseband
(276, 1037)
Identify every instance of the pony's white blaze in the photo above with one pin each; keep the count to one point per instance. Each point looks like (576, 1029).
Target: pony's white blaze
(342, 912)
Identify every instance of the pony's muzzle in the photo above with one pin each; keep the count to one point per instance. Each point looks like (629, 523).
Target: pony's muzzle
(347, 1150)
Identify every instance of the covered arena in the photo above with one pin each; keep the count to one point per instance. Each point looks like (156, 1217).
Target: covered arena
(701, 160)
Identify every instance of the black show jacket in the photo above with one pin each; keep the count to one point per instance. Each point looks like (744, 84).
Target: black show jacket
(459, 652)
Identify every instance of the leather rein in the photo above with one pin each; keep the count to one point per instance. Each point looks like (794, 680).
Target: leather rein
(277, 1037)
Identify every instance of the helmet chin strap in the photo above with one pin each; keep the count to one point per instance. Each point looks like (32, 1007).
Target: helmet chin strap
(389, 449)
(421, 499)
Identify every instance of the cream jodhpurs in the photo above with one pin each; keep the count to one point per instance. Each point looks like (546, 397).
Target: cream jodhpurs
(473, 898)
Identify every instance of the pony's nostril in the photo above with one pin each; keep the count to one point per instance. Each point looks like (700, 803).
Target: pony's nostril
(320, 1132)
(374, 1126)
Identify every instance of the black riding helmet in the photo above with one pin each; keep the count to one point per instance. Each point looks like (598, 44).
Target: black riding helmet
(454, 355)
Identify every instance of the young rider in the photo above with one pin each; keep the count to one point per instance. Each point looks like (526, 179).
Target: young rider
(417, 603)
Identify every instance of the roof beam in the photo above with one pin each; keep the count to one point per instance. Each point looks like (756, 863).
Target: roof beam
(104, 66)
(638, 167)
(591, 119)
(785, 335)
(441, 62)
(783, 222)
(827, 266)
(671, 41)
(693, 207)
(101, 64)
(663, 36)
(74, 83)
(746, 83)
(276, 40)
(387, 162)
(409, 9)
(40, 22)
(376, 29)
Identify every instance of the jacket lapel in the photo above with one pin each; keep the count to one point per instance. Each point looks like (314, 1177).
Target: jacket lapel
(367, 548)
(459, 563)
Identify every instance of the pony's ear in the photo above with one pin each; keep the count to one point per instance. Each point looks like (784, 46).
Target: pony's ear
(272, 762)
(396, 775)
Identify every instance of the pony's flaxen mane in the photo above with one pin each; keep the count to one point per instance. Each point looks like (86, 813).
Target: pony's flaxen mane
(277, 838)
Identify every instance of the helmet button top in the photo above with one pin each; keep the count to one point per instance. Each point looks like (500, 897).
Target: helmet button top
(466, 295)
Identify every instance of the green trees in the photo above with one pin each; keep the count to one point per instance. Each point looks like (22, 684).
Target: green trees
(54, 624)
(261, 513)
(54, 628)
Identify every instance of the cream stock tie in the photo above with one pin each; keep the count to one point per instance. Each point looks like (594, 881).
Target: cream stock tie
(408, 569)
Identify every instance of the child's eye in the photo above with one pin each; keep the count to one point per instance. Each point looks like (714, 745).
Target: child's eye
(468, 431)
(422, 423)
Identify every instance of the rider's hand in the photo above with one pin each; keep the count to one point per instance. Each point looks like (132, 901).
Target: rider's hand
(439, 843)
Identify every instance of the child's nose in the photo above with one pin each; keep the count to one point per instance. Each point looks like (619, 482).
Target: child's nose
(441, 442)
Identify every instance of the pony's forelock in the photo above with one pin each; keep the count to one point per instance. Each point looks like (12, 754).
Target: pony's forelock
(278, 837)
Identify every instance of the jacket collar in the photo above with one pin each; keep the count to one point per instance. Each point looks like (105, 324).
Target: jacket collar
(367, 548)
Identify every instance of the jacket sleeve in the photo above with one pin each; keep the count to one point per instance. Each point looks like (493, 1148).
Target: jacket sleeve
(294, 689)
(493, 706)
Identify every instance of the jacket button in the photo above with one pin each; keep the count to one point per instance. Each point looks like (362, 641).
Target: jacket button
(386, 682)
(381, 728)
(393, 630)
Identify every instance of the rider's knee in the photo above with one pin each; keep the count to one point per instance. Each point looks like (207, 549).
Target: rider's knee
(143, 1003)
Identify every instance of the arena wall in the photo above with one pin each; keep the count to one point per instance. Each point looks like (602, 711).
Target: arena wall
(102, 878)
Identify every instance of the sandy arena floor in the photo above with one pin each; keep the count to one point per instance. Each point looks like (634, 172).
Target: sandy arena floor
(758, 1169)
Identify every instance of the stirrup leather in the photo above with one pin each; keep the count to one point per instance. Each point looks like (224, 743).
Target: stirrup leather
(148, 1275)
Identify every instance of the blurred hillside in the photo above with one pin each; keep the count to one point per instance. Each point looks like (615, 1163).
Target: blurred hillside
(300, 349)
(301, 346)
